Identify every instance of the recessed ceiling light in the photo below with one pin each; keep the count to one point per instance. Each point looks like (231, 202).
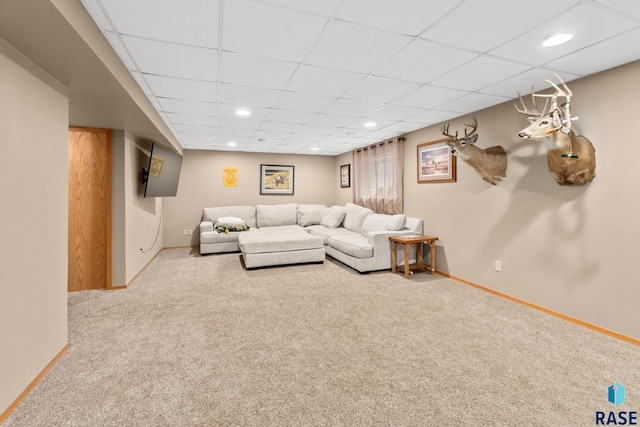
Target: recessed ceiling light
(243, 112)
(369, 124)
(556, 40)
(231, 144)
(314, 148)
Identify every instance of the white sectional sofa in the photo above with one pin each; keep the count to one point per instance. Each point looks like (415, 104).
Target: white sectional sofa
(300, 233)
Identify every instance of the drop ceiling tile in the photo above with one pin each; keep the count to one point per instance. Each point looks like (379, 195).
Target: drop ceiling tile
(351, 133)
(203, 130)
(191, 90)
(422, 61)
(356, 48)
(279, 126)
(403, 127)
(324, 7)
(382, 135)
(188, 119)
(303, 102)
(173, 60)
(323, 81)
(432, 117)
(334, 140)
(225, 133)
(254, 71)
(267, 30)
(429, 97)
(473, 102)
(230, 110)
(271, 135)
(351, 108)
(330, 120)
(379, 89)
(289, 116)
(481, 25)
(315, 130)
(301, 138)
(410, 17)
(191, 22)
(238, 123)
(171, 105)
(362, 124)
(610, 53)
(588, 23)
(394, 112)
(247, 96)
(630, 7)
(196, 137)
(523, 81)
(481, 72)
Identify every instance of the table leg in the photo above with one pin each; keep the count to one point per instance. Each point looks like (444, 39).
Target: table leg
(432, 257)
(407, 246)
(394, 258)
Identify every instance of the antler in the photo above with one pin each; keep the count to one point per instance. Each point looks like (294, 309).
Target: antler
(474, 128)
(445, 131)
(534, 110)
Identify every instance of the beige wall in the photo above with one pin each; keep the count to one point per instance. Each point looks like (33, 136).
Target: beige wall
(136, 219)
(570, 249)
(33, 222)
(344, 195)
(316, 179)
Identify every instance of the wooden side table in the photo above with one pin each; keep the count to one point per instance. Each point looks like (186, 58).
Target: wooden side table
(407, 241)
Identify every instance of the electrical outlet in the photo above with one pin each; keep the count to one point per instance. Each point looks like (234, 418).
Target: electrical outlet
(185, 232)
(498, 265)
(190, 232)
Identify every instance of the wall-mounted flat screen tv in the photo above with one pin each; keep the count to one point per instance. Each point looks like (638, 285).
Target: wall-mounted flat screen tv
(161, 178)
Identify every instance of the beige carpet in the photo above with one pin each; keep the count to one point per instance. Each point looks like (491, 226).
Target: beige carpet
(199, 341)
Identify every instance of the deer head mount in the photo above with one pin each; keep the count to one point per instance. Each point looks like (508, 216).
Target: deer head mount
(571, 158)
(490, 163)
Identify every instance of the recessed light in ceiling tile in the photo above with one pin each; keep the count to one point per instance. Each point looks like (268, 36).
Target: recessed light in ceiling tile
(369, 124)
(557, 40)
(243, 112)
(231, 144)
(315, 148)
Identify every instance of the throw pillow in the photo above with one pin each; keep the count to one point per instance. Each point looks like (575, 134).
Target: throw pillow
(334, 217)
(312, 217)
(382, 222)
(229, 221)
(355, 216)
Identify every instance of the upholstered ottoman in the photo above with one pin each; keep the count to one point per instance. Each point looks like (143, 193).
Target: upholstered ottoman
(280, 246)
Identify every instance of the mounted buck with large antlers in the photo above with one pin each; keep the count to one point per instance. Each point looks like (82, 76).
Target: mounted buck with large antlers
(490, 163)
(570, 157)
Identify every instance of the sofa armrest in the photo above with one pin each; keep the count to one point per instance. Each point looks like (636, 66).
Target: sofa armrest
(206, 226)
(382, 245)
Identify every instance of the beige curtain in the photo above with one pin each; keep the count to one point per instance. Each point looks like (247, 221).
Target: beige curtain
(378, 176)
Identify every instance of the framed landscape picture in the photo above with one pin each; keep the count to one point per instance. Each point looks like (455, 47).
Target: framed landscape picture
(345, 176)
(435, 162)
(276, 179)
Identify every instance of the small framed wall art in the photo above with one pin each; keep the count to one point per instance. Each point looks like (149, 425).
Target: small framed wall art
(276, 179)
(345, 176)
(435, 162)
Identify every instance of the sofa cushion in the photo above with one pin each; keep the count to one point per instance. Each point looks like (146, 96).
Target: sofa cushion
(382, 222)
(355, 216)
(274, 215)
(258, 242)
(304, 207)
(334, 217)
(312, 217)
(248, 213)
(355, 245)
(326, 232)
